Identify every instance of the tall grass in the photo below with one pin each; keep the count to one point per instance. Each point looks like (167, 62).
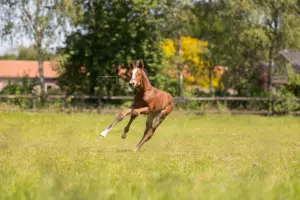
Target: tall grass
(58, 156)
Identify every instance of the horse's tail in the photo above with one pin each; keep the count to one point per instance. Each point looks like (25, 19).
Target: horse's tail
(178, 100)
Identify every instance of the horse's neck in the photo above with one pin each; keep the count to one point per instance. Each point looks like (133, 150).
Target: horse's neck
(146, 85)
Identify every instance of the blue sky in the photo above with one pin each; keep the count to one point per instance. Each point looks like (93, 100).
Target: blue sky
(21, 39)
(9, 46)
(6, 46)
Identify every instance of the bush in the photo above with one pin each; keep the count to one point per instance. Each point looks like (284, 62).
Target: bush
(293, 81)
(284, 104)
(26, 87)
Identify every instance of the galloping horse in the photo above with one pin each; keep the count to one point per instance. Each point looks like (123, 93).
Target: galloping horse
(148, 100)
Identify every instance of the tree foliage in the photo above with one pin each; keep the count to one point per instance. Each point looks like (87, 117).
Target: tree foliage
(26, 53)
(194, 60)
(244, 34)
(111, 34)
(41, 21)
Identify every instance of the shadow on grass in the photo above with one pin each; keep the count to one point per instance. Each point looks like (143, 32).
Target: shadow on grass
(124, 150)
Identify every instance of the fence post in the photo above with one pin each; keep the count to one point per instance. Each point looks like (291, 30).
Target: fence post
(65, 101)
(33, 102)
(289, 105)
(271, 105)
(225, 102)
(100, 103)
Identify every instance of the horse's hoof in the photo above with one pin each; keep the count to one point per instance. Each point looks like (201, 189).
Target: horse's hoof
(135, 150)
(124, 136)
(101, 137)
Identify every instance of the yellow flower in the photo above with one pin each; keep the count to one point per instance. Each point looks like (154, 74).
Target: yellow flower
(168, 48)
(192, 53)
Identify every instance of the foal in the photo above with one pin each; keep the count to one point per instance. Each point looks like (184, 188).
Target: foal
(148, 100)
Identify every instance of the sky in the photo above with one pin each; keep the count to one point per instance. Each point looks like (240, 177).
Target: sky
(20, 39)
(3, 48)
(8, 47)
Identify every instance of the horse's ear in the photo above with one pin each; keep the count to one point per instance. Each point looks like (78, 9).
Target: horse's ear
(141, 64)
(132, 65)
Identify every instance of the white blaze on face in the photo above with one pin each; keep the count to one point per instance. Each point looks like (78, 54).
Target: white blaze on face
(133, 81)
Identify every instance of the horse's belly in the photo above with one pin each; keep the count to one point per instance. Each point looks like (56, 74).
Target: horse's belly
(158, 103)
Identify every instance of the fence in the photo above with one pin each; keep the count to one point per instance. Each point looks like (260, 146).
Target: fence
(179, 100)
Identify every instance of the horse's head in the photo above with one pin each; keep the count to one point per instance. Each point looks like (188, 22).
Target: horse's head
(137, 74)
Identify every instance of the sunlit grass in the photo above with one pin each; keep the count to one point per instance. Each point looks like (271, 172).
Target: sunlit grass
(58, 156)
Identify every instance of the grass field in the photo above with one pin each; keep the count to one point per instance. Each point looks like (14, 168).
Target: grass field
(58, 156)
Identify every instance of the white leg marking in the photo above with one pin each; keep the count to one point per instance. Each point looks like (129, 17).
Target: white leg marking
(104, 133)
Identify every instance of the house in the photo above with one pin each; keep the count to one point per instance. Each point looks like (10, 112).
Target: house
(292, 57)
(279, 71)
(13, 71)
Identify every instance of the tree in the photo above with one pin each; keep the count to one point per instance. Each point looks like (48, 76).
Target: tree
(281, 26)
(178, 21)
(244, 34)
(8, 56)
(193, 51)
(110, 34)
(25, 53)
(42, 21)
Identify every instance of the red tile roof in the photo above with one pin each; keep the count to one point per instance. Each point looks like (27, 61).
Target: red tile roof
(20, 68)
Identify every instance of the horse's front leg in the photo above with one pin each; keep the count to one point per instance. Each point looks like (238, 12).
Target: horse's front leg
(134, 114)
(137, 111)
(119, 118)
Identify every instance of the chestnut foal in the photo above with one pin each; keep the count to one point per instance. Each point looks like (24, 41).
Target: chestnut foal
(148, 100)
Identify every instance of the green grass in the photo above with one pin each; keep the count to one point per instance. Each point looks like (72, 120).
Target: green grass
(58, 156)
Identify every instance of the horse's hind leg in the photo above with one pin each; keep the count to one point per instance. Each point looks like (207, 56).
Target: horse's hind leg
(149, 123)
(158, 120)
(119, 118)
(149, 133)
